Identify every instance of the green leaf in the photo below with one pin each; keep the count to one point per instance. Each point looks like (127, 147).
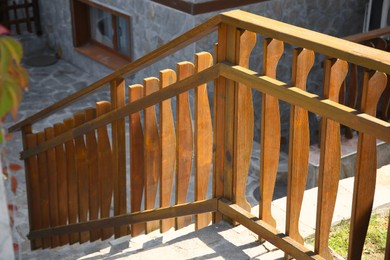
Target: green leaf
(14, 47)
(5, 58)
(10, 97)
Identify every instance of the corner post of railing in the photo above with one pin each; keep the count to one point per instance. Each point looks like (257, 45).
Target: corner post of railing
(233, 144)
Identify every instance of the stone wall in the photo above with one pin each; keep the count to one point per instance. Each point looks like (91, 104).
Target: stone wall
(154, 24)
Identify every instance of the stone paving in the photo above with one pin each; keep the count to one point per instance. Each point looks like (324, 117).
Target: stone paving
(50, 84)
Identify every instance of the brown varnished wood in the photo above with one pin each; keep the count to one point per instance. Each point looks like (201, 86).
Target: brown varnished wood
(387, 252)
(44, 212)
(137, 217)
(168, 148)
(385, 101)
(298, 159)
(270, 133)
(244, 124)
(136, 159)
(374, 84)
(219, 121)
(32, 178)
(71, 180)
(361, 122)
(184, 149)
(117, 91)
(353, 92)
(94, 180)
(152, 153)
(335, 72)
(82, 175)
(104, 153)
(52, 186)
(203, 139)
(62, 184)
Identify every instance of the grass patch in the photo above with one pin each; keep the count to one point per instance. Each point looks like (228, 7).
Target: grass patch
(375, 244)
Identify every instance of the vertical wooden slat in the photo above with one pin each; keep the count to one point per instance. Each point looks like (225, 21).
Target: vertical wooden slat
(329, 172)
(136, 159)
(94, 180)
(219, 121)
(27, 15)
(16, 17)
(298, 160)
(184, 143)
(105, 170)
(72, 180)
(52, 182)
(62, 183)
(82, 175)
(43, 190)
(244, 124)
(203, 139)
(353, 91)
(270, 133)
(119, 154)
(168, 148)
(374, 84)
(152, 153)
(33, 188)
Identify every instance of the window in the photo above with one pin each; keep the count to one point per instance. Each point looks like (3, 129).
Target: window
(101, 33)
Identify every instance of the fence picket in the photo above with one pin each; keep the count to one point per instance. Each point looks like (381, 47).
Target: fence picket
(62, 183)
(94, 180)
(335, 73)
(136, 159)
(104, 153)
(72, 180)
(270, 133)
(203, 139)
(43, 189)
(119, 154)
(152, 153)
(168, 148)
(52, 185)
(298, 160)
(82, 175)
(184, 143)
(374, 84)
(33, 190)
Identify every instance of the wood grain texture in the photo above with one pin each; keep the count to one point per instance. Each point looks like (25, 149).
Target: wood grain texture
(82, 175)
(43, 190)
(270, 133)
(152, 153)
(52, 185)
(298, 160)
(62, 185)
(117, 91)
(136, 159)
(93, 175)
(184, 149)
(104, 153)
(33, 188)
(71, 173)
(330, 157)
(361, 122)
(203, 139)
(353, 92)
(168, 148)
(244, 124)
(374, 84)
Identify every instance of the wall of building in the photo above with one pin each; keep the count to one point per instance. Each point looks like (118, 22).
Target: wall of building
(154, 24)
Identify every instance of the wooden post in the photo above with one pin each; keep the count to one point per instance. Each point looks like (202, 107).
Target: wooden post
(335, 73)
(374, 84)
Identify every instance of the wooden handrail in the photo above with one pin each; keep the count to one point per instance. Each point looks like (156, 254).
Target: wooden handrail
(318, 42)
(180, 42)
(321, 43)
(360, 37)
(150, 100)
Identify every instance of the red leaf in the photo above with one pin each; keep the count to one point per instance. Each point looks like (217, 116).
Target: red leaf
(14, 184)
(4, 30)
(8, 137)
(15, 167)
(12, 207)
(16, 247)
(5, 171)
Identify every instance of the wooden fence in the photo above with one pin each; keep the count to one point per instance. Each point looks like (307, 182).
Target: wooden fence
(76, 171)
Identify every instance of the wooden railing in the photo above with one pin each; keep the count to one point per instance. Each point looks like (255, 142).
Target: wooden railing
(75, 171)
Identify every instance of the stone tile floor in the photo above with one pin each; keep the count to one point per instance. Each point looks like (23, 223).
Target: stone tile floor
(49, 84)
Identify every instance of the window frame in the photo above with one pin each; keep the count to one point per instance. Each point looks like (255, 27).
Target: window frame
(82, 39)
